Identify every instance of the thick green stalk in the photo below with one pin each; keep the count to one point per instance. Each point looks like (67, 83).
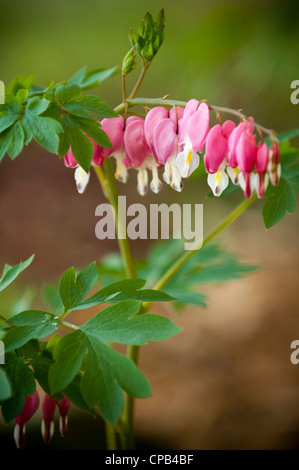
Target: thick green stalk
(173, 270)
(4, 320)
(110, 190)
(111, 437)
(139, 81)
(188, 254)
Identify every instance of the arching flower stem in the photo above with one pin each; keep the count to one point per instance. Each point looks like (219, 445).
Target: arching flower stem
(166, 102)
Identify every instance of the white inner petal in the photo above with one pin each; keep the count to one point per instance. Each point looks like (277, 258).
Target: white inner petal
(176, 180)
(156, 184)
(81, 178)
(142, 182)
(186, 162)
(218, 182)
(233, 173)
(121, 173)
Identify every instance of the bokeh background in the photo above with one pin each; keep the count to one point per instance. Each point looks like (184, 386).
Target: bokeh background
(225, 382)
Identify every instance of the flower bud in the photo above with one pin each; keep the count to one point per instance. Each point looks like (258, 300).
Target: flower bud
(29, 408)
(129, 62)
(49, 405)
(262, 159)
(274, 166)
(63, 406)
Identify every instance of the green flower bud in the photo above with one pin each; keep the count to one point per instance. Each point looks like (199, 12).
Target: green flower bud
(129, 62)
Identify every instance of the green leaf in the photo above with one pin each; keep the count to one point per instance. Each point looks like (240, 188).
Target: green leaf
(107, 372)
(31, 324)
(12, 407)
(78, 77)
(73, 393)
(73, 289)
(81, 145)
(52, 298)
(92, 78)
(37, 105)
(22, 95)
(93, 130)
(99, 387)
(4, 143)
(87, 104)
(12, 139)
(224, 270)
(209, 264)
(29, 350)
(5, 388)
(107, 293)
(7, 120)
(125, 371)
(64, 144)
(68, 355)
(16, 140)
(145, 295)
(67, 93)
(11, 105)
(41, 368)
(19, 375)
(82, 148)
(161, 18)
(10, 273)
(45, 130)
(128, 289)
(280, 201)
(133, 37)
(187, 297)
(53, 111)
(120, 323)
(22, 383)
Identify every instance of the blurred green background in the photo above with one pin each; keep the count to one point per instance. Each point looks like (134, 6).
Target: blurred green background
(244, 392)
(241, 54)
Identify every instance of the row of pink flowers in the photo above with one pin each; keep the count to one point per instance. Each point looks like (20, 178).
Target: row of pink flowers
(173, 140)
(48, 408)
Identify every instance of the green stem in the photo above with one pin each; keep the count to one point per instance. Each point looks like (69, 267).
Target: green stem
(139, 82)
(111, 438)
(172, 271)
(109, 186)
(66, 324)
(123, 82)
(3, 320)
(128, 414)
